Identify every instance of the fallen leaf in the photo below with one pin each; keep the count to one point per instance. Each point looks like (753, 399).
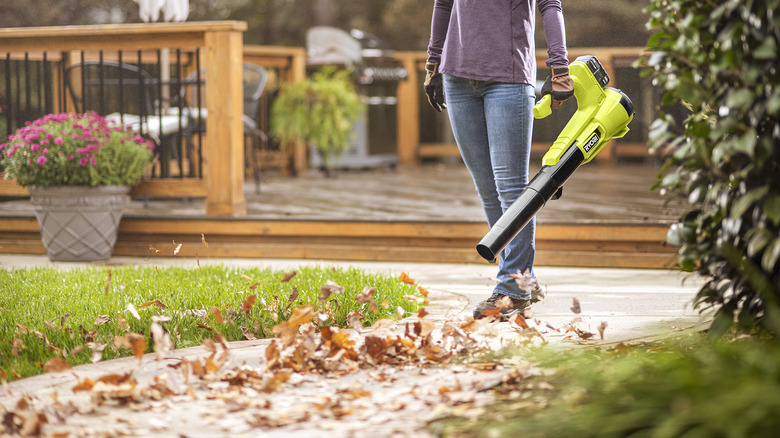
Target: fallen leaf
(203, 239)
(108, 281)
(178, 247)
(217, 315)
(156, 302)
(137, 345)
(248, 303)
(293, 295)
(575, 306)
(63, 319)
(248, 334)
(55, 365)
(404, 278)
(162, 340)
(422, 312)
(133, 311)
(102, 319)
(400, 312)
(4, 381)
(601, 328)
(423, 291)
(289, 276)
(366, 295)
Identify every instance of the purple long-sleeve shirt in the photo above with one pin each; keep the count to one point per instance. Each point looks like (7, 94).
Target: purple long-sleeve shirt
(493, 40)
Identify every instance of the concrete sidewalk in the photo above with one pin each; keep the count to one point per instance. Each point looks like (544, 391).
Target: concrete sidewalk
(635, 305)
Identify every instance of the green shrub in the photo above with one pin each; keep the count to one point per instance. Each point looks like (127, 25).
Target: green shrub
(320, 112)
(720, 59)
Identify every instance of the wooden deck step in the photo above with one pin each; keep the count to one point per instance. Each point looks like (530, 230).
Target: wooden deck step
(584, 244)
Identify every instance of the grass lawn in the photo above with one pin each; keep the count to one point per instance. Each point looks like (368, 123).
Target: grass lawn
(83, 315)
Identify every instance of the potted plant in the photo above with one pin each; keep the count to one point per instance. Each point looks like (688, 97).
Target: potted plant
(320, 112)
(79, 169)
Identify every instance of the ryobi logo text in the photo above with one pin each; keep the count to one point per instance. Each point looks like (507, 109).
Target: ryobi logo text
(592, 142)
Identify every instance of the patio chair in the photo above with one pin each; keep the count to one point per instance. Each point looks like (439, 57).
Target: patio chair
(122, 93)
(254, 80)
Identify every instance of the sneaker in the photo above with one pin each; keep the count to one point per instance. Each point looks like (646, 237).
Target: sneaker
(537, 294)
(501, 305)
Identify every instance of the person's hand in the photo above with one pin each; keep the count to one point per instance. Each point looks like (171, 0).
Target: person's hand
(434, 86)
(559, 85)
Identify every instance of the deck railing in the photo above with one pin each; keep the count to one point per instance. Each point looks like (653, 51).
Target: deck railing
(35, 64)
(424, 133)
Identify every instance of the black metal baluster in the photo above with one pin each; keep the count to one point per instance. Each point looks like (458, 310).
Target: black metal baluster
(84, 93)
(198, 84)
(9, 109)
(179, 132)
(27, 86)
(102, 80)
(121, 89)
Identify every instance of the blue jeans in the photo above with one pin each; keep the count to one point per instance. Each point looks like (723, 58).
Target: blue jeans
(492, 123)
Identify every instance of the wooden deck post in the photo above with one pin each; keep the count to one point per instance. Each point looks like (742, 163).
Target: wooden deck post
(224, 142)
(408, 130)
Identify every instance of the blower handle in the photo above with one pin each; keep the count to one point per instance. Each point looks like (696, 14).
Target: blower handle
(543, 108)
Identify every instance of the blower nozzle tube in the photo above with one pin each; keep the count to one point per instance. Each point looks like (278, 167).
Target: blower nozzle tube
(533, 197)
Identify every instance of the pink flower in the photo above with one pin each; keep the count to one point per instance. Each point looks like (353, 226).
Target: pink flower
(35, 147)
(83, 162)
(70, 157)
(41, 160)
(58, 141)
(92, 161)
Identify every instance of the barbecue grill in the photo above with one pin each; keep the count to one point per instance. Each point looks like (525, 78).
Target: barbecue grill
(376, 74)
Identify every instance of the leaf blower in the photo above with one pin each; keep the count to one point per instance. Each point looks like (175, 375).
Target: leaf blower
(603, 113)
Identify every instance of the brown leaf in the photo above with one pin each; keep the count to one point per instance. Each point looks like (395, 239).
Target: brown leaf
(203, 239)
(601, 328)
(525, 280)
(248, 334)
(217, 315)
(156, 302)
(16, 345)
(63, 319)
(289, 276)
(162, 340)
(575, 306)
(366, 295)
(422, 312)
(133, 311)
(405, 278)
(293, 295)
(423, 291)
(331, 287)
(84, 385)
(4, 381)
(102, 319)
(276, 381)
(22, 329)
(519, 320)
(247, 305)
(55, 365)
(108, 281)
(137, 345)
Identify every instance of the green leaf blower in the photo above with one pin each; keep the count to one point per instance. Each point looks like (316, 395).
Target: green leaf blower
(603, 113)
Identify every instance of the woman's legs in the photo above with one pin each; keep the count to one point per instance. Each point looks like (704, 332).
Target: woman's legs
(492, 123)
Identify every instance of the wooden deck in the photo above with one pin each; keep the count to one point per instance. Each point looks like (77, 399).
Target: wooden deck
(608, 216)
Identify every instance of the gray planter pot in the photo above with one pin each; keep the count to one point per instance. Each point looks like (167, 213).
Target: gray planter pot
(79, 223)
